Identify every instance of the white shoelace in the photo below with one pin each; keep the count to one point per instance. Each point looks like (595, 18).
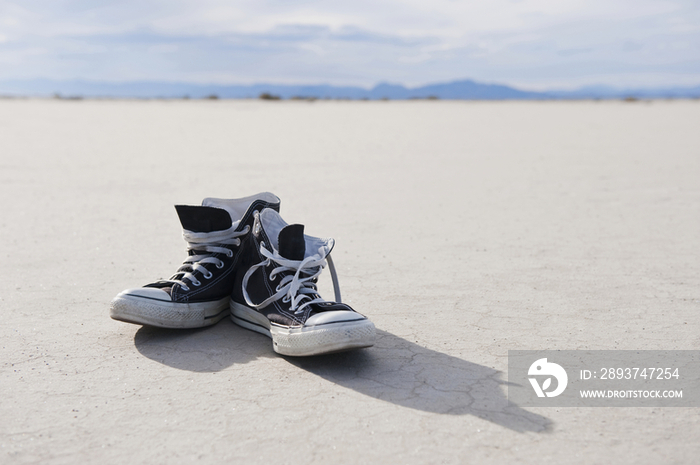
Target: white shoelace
(205, 242)
(296, 288)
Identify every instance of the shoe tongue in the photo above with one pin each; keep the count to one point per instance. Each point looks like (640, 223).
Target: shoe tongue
(203, 219)
(291, 242)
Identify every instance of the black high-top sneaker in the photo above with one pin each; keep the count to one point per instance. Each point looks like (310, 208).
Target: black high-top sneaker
(275, 292)
(198, 294)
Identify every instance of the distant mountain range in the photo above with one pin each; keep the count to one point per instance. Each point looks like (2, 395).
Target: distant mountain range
(458, 90)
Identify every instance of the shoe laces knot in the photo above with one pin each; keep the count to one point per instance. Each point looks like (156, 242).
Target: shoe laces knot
(205, 246)
(298, 284)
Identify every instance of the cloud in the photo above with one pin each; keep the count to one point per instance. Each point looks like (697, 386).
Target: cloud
(532, 43)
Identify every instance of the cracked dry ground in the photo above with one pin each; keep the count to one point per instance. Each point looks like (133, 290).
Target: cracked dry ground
(463, 229)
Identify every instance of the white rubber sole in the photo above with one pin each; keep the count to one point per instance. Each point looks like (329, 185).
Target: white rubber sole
(144, 311)
(307, 340)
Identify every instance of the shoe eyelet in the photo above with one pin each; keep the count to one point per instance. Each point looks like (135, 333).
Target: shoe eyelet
(229, 253)
(246, 230)
(208, 276)
(196, 283)
(272, 277)
(184, 288)
(257, 227)
(220, 264)
(285, 299)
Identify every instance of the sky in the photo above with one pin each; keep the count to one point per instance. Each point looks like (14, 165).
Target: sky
(530, 44)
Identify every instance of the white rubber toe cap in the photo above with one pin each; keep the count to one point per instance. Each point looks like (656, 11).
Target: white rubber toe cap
(148, 293)
(333, 317)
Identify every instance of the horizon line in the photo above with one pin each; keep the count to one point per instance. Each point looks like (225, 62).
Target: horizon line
(357, 86)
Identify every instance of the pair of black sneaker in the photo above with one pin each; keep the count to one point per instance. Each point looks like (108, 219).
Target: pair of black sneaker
(246, 261)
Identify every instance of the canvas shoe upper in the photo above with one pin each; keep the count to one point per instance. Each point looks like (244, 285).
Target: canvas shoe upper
(276, 293)
(198, 293)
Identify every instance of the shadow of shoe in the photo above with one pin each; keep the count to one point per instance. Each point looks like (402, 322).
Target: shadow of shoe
(398, 371)
(205, 350)
(394, 370)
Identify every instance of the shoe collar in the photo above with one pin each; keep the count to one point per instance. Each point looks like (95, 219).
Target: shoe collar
(272, 223)
(238, 208)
